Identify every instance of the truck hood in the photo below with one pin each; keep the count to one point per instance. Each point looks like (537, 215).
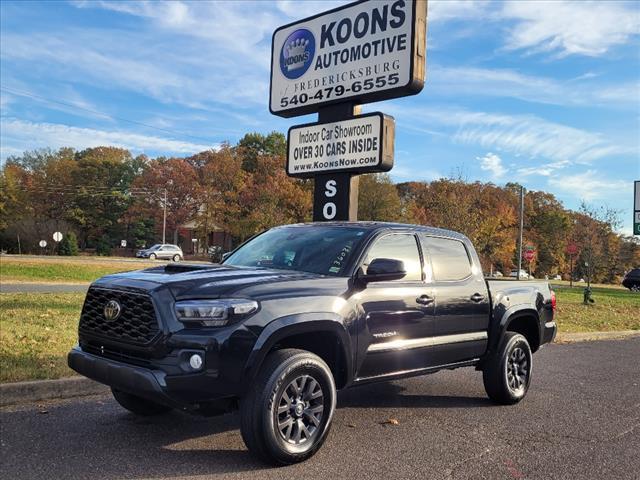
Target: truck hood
(212, 281)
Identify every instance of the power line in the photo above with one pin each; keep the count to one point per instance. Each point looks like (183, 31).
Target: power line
(112, 117)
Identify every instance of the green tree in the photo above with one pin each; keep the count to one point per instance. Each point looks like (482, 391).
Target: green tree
(378, 199)
(255, 145)
(69, 245)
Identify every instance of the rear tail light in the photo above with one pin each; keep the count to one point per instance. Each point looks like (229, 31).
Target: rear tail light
(553, 300)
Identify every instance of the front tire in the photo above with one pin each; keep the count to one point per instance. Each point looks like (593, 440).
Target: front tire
(139, 405)
(507, 374)
(153, 256)
(286, 415)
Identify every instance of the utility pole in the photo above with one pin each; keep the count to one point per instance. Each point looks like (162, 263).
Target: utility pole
(164, 218)
(521, 228)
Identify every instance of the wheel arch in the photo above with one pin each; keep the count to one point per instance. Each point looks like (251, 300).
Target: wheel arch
(524, 321)
(323, 334)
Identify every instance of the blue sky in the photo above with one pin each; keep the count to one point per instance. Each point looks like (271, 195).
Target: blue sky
(543, 93)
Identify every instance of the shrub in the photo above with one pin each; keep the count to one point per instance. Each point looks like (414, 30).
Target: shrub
(103, 247)
(69, 245)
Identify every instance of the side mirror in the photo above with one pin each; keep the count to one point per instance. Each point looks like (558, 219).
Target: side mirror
(384, 270)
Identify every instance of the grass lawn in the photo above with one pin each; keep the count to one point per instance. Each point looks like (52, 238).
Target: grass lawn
(614, 309)
(37, 330)
(52, 269)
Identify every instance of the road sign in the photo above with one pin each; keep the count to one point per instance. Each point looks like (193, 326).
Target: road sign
(43, 243)
(57, 237)
(123, 243)
(362, 52)
(529, 247)
(572, 248)
(529, 255)
(636, 208)
(362, 144)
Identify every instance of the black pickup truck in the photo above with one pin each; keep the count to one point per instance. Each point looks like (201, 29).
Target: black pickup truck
(301, 311)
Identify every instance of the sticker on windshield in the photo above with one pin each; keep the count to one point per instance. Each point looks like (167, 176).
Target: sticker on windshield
(334, 269)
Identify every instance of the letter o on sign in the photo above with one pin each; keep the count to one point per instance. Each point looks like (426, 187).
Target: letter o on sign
(329, 210)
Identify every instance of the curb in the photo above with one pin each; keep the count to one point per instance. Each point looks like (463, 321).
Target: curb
(592, 336)
(37, 390)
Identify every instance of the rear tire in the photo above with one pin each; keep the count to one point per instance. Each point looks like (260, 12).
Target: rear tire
(286, 415)
(176, 258)
(138, 405)
(507, 374)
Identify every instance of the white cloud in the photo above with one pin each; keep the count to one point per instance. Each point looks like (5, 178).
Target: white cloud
(473, 81)
(570, 27)
(16, 133)
(521, 135)
(590, 185)
(492, 163)
(443, 10)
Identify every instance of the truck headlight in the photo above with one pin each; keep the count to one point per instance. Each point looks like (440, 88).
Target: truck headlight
(214, 313)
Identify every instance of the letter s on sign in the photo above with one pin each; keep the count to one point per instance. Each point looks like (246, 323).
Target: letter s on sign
(331, 189)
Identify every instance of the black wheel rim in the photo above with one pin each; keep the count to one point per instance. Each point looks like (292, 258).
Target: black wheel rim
(518, 370)
(300, 410)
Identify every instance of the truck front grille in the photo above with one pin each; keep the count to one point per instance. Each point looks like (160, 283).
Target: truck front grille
(135, 324)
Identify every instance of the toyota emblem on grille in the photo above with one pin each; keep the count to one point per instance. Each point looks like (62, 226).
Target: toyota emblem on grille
(112, 310)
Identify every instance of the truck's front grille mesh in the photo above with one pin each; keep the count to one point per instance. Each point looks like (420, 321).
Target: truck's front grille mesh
(136, 324)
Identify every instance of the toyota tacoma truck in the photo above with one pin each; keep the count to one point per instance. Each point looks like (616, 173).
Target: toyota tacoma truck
(301, 311)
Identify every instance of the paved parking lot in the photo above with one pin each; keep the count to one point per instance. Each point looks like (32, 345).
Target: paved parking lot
(581, 419)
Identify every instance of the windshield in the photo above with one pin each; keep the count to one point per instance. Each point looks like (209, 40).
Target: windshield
(315, 249)
(155, 247)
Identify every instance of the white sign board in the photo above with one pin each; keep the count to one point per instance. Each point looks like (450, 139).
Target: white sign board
(123, 243)
(362, 52)
(43, 243)
(361, 144)
(57, 236)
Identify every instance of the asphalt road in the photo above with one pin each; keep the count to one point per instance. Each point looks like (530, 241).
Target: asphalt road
(581, 419)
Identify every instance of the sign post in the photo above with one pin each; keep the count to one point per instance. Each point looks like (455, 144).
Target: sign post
(529, 255)
(636, 207)
(572, 249)
(331, 64)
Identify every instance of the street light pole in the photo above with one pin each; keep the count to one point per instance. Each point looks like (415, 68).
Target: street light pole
(164, 218)
(521, 228)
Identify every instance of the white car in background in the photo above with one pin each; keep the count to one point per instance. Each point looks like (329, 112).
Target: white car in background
(162, 251)
(523, 274)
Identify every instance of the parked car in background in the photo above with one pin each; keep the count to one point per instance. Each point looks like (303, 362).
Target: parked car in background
(162, 251)
(514, 274)
(632, 280)
(557, 277)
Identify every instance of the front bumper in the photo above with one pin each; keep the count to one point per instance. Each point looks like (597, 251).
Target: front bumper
(184, 391)
(139, 381)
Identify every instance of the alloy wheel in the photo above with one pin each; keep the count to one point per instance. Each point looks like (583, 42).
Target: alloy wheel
(517, 369)
(300, 410)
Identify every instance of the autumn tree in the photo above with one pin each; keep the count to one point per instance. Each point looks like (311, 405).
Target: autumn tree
(174, 179)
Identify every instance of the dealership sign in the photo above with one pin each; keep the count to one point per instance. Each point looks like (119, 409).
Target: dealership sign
(361, 144)
(362, 52)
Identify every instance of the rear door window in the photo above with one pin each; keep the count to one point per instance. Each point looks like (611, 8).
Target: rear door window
(449, 259)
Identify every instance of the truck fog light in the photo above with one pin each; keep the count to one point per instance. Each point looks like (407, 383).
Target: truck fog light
(195, 361)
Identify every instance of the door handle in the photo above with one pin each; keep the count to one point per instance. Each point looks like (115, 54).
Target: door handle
(424, 300)
(477, 297)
